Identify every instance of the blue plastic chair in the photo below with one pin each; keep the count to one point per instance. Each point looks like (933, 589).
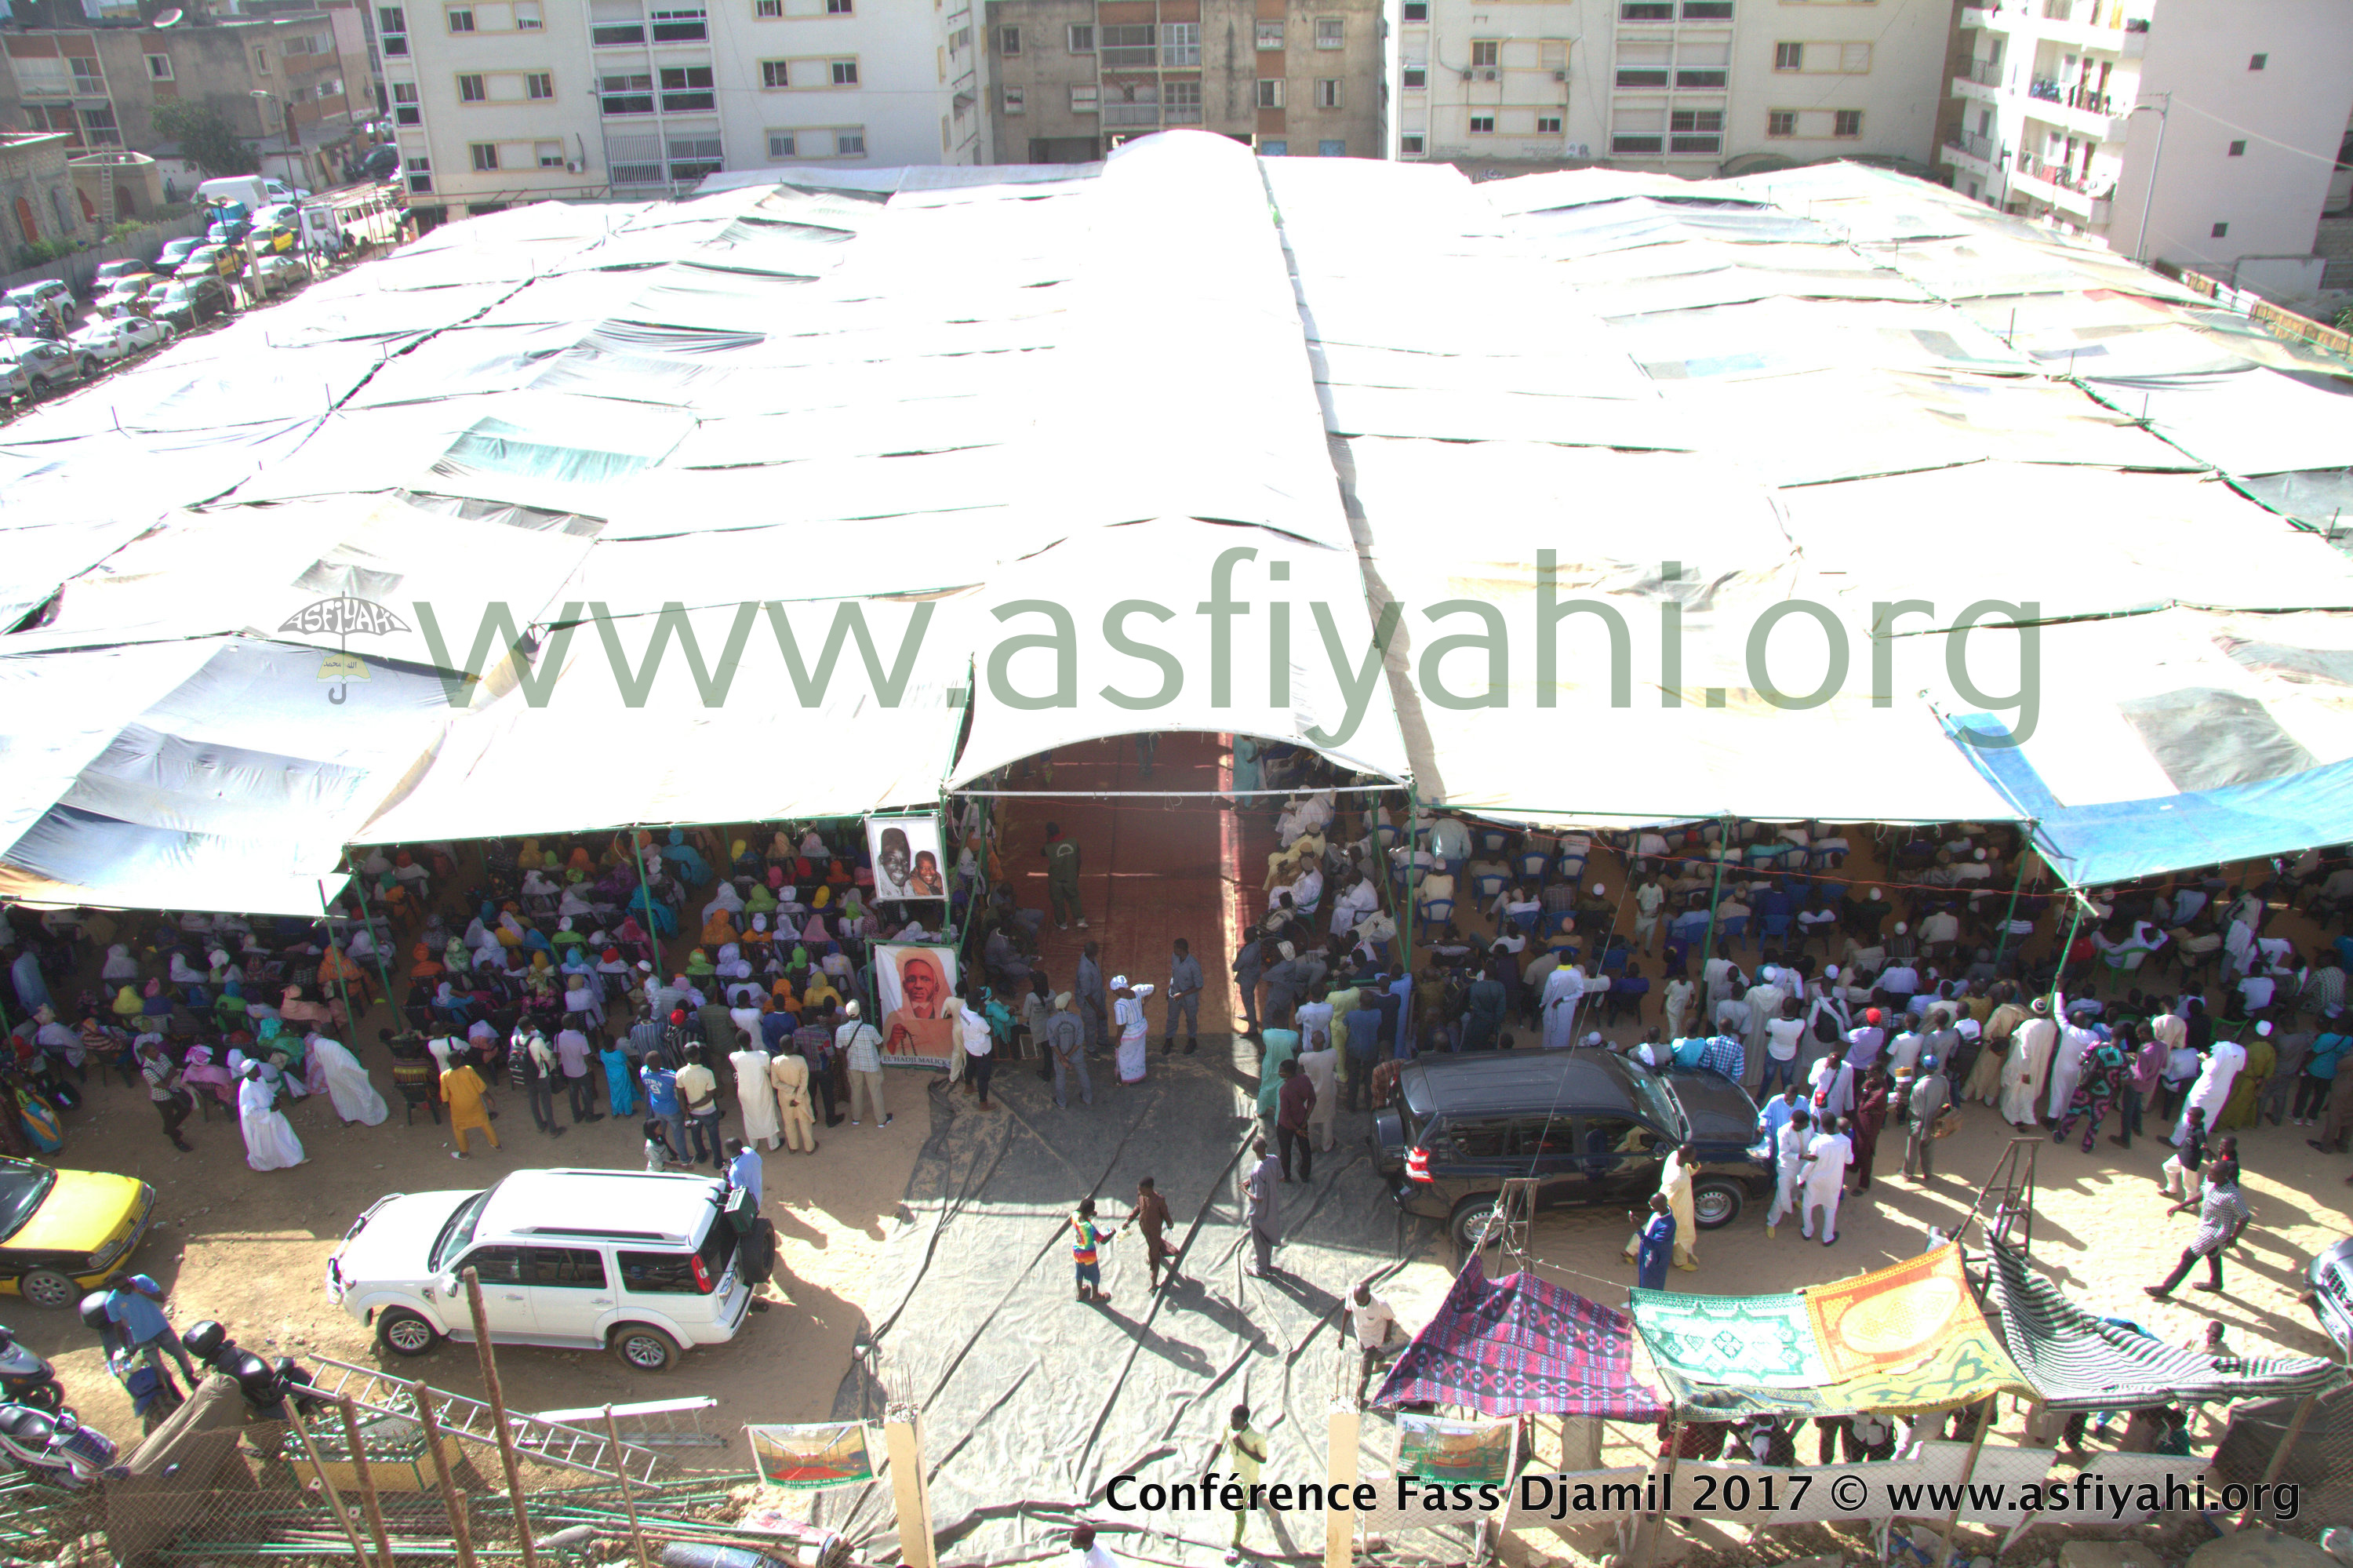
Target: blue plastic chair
(1493, 840)
(1614, 962)
(1532, 865)
(1774, 927)
(1734, 927)
(1526, 920)
(1487, 886)
(1571, 868)
(1689, 926)
(1555, 920)
(1438, 911)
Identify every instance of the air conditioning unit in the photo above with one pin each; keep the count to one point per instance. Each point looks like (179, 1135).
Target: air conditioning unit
(1560, 76)
(1466, 76)
(571, 165)
(1490, 76)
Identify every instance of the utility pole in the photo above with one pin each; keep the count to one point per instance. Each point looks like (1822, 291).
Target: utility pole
(2164, 114)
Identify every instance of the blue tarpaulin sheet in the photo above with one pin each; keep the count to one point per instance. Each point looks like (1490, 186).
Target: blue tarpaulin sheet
(2115, 841)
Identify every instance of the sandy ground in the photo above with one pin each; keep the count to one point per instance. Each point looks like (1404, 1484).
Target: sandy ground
(251, 1250)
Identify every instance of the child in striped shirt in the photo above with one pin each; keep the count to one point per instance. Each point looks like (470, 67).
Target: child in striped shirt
(1085, 1249)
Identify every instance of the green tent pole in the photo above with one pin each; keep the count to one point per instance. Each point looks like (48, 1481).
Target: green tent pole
(1714, 897)
(350, 1014)
(359, 882)
(2002, 948)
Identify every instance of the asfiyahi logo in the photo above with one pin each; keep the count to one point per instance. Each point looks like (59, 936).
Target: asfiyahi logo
(342, 617)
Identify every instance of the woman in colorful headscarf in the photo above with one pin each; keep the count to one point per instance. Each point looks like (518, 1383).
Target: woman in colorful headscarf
(576, 901)
(761, 900)
(565, 936)
(698, 966)
(786, 996)
(423, 965)
(127, 1007)
(692, 869)
(621, 1086)
(510, 928)
(579, 864)
(229, 1009)
(120, 968)
(155, 1005)
(838, 874)
(719, 929)
(456, 959)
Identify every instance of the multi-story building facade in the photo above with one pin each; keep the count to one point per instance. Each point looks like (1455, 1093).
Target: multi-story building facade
(1071, 78)
(2199, 132)
(497, 101)
(297, 85)
(1689, 87)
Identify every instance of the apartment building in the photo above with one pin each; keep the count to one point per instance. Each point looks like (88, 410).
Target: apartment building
(1689, 87)
(1072, 78)
(297, 85)
(496, 101)
(2204, 132)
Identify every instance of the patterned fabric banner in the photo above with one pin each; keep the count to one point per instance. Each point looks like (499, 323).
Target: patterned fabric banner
(1518, 1345)
(1903, 1339)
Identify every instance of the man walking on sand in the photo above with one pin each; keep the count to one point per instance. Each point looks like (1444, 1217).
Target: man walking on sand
(1261, 1196)
(1151, 1215)
(1184, 997)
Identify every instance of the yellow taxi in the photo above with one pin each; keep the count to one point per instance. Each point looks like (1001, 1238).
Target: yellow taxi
(63, 1233)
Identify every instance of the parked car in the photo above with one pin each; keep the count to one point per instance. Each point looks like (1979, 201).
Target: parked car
(185, 302)
(15, 381)
(116, 297)
(125, 267)
(49, 364)
(215, 260)
(174, 251)
(46, 298)
(276, 227)
(63, 1233)
(644, 1266)
(275, 274)
(121, 338)
(23, 321)
(1591, 1126)
(381, 163)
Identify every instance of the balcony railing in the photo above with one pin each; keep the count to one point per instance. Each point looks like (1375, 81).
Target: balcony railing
(2099, 188)
(1985, 73)
(1970, 142)
(2089, 101)
(609, 34)
(1182, 115)
(1129, 56)
(2046, 89)
(1130, 114)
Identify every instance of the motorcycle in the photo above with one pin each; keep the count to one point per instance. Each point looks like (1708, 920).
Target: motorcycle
(57, 1447)
(26, 1379)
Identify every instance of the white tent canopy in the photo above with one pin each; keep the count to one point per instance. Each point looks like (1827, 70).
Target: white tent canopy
(917, 399)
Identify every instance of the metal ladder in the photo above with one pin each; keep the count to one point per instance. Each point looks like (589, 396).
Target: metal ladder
(462, 1415)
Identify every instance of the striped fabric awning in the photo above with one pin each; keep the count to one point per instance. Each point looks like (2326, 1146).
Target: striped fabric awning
(2078, 1361)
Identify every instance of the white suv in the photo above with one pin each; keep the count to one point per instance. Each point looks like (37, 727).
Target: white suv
(652, 1273)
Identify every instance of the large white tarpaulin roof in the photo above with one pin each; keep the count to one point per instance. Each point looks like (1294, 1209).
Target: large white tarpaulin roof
(915, 473)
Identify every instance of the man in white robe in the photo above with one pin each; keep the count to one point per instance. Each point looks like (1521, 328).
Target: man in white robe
(756, 1094)
(1563, 989)
(2212, 1089)
(2067, 1063)
(269, 1140)
(354, 1097)
(2023, 1075)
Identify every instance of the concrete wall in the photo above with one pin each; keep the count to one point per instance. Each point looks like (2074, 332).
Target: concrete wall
(2292, 115)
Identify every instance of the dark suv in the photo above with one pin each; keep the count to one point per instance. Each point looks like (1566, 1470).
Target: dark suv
(1591, 1126)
